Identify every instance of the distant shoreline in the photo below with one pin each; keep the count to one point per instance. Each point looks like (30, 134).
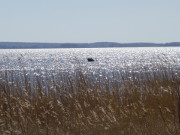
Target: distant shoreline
(29, 45)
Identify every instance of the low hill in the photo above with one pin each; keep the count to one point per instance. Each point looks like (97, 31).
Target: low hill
(27, 45)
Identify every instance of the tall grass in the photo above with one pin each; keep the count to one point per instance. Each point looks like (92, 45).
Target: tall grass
(144, 103)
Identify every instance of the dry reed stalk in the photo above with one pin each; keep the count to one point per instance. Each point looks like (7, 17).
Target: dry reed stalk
(139, 103)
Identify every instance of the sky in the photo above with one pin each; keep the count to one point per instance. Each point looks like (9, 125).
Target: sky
(87, 21)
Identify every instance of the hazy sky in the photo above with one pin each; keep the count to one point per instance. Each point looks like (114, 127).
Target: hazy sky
(90, 20)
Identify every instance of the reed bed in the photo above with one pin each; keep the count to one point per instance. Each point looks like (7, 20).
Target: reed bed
(144, 103)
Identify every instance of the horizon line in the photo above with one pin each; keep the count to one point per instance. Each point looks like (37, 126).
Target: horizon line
(87, 42)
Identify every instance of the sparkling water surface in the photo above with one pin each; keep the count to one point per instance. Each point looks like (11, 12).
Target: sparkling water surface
(108, 59)
(111, 63)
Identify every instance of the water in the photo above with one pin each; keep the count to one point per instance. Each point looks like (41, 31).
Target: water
(69, 59)
(111, 62)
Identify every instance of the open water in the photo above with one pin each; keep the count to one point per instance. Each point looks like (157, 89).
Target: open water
(107, 59)
(50, 64)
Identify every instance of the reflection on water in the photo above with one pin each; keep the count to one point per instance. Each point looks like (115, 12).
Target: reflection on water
(69, 59)
(52, 64)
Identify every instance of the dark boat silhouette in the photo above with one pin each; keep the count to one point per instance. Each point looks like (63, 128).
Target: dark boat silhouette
(90, 59)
